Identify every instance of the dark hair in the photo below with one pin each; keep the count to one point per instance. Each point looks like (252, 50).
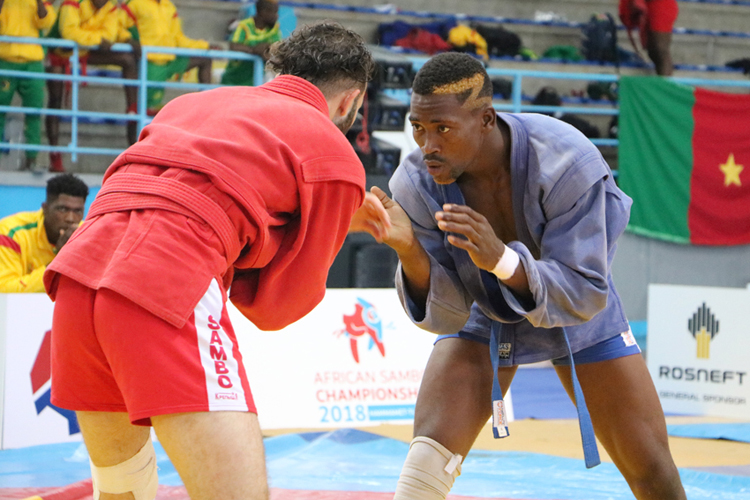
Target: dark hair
(447, 68)
(264, 4)
(66, 184)
(326, 54)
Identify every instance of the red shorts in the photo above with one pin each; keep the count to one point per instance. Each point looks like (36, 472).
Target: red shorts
(660, 14)
(109, 354)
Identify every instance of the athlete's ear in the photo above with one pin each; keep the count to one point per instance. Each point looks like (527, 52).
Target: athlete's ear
(489, 117)
(349, 99)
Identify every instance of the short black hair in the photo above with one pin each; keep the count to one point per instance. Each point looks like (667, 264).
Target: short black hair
(265, 4)
(326, 54)
(450, 67)
(66, 184)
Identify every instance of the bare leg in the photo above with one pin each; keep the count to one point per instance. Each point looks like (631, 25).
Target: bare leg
(629, 422)
(454, 401)
(659, 50)
(127, 62)
(55, 97)
(204, 68)
(219, 455)
(111, 439)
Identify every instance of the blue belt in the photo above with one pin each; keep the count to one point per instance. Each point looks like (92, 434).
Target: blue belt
(499, 418)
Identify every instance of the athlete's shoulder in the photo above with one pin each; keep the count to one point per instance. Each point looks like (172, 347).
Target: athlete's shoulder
(21, 221)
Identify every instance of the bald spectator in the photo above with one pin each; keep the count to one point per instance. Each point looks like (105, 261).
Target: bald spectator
(30, 240)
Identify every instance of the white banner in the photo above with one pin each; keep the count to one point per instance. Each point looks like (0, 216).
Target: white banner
(356, 360)
(28, 417)
(698, 345)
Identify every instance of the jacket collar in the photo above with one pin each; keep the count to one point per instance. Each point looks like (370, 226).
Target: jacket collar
(298, 88)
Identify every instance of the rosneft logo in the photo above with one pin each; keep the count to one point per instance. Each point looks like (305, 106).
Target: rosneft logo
(703, 326)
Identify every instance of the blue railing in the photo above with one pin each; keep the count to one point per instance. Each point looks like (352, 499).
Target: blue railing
(76, 78)
(516, 104)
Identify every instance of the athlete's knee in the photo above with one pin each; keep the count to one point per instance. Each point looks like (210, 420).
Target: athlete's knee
(429, 471)
(136, 474)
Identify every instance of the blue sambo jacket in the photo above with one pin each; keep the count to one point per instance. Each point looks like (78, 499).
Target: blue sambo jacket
(568, 215)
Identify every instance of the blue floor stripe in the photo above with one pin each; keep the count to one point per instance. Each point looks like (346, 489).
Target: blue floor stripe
(731, 432)
(349, 460)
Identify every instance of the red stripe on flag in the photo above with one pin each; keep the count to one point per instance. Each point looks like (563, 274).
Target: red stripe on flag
(40, 372)
(719, 211)
(6, 241)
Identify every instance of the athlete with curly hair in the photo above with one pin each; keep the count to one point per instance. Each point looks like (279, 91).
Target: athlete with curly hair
(249, 187)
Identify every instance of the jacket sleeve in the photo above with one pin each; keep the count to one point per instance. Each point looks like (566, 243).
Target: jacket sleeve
(47, 21)
(70, 26)
(448, 302)
(13, 278)
(569, 280)
(183, 41)
(126, 23)
(294, 282)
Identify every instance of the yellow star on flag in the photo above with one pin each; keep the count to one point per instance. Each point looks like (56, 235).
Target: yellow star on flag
(731, 171)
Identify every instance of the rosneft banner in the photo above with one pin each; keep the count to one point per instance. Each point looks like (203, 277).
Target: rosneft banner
(698, 349)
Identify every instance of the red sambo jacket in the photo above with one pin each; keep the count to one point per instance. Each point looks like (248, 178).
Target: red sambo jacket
(253, 186)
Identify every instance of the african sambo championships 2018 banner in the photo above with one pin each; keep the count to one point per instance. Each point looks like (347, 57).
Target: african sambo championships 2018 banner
(354, 361)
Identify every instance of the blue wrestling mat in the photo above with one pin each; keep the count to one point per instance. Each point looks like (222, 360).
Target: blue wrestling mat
(318, 465)
(731, 432)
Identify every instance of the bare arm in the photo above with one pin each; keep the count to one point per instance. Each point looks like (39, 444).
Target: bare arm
(41, 9)
(415, 262)
(256, 50)
(478, 238)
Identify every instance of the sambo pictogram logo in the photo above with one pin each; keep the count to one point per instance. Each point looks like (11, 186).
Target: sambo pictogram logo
(41, 388)
(704, 327)
(365, 322)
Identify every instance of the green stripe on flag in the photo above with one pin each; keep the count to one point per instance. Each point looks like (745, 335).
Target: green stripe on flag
(655, 155)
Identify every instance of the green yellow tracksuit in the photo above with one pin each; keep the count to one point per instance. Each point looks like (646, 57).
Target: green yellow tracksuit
(25, 252)
(242, 72)
(20, 18)
(158, 24)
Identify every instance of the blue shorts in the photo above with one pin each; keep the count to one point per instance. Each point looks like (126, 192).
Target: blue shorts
(619, 346)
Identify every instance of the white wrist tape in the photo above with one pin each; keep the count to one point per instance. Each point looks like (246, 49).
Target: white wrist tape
(507, 264)
(137, 474)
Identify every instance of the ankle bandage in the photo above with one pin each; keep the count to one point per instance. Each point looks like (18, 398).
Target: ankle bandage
(137, 474)
(429, 471)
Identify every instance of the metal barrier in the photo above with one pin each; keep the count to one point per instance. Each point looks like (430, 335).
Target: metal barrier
(76, 79)
(516, 105)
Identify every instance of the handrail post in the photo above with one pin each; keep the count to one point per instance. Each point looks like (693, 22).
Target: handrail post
(517, 93)
(76, 72)
(142, 88)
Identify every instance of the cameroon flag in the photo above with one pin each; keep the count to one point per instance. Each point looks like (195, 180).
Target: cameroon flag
(684, 158)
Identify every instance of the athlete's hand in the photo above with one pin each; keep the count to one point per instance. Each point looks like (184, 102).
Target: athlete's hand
(401, 236)
(372, 218)
(65, 235)
(476, 234)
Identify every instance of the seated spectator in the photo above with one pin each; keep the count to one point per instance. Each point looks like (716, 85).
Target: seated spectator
(655, 20)
(30, 240)
(253, 35)
(92, 23)
(156, 23)
(24, 18)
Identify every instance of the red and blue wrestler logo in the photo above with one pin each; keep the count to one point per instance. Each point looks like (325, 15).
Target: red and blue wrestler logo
(41, 388)
(365, 323)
